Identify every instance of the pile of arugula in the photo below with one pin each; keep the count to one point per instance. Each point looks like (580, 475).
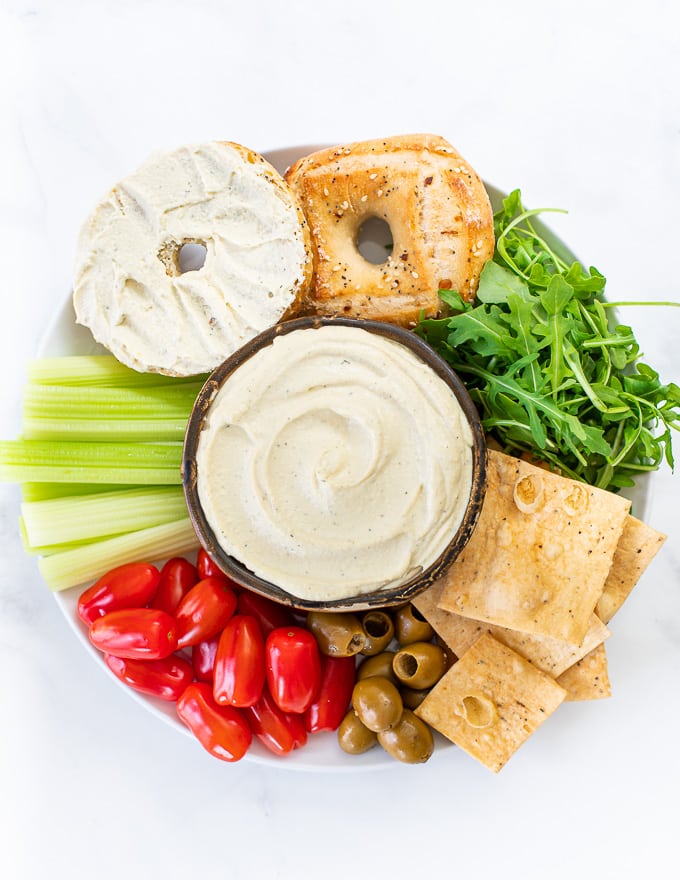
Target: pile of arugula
(549, 374)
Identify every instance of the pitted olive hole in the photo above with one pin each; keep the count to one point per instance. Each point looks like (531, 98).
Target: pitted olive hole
(187, 255)
(376, 625)
(417, 615)
(358, 641)
(405, 666)
(374, 240)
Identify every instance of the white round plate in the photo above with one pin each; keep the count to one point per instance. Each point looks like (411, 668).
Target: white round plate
(321, 753)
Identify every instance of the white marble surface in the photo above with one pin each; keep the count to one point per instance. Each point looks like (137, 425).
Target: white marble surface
(576, 103)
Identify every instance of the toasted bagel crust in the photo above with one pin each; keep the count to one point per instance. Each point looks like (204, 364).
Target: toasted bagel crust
(436, 207)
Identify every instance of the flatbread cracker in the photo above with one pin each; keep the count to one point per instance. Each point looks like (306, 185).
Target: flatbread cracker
(588, 679)
(638, 545)
(540, 554)
(551, 656)
(490, 702)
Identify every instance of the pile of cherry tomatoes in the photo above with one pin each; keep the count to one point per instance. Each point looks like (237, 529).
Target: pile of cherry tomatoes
(237, 665)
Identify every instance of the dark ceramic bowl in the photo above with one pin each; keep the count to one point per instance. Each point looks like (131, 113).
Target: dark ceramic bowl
(380, 598)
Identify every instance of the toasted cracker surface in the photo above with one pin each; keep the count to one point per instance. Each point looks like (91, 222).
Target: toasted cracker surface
(540, 554)
(638, 545)
(588, 679)
(490, 702)
(548, 654)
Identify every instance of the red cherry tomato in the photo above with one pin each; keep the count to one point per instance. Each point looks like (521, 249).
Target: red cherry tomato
(239, 671)
(135, 634)
(128, 586)
(203, 658)
(293, 667)
(270, 615)
(221, 730)
(279, 731)
(207, 568)
(177, 577)
(204, 611)
(297, 728)
(165, 679)
(338, 675)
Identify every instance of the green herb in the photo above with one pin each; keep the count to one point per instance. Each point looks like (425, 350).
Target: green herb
(551, 377)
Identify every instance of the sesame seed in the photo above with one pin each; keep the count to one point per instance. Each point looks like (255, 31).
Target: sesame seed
(364, 198)
(372, 176)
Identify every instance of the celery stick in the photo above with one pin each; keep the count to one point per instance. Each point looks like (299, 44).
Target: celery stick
(53, 401)
(107, 429)
(88, 517)
(84, 564)
(94, 370)
(42, 491)
(47, 549)
(83, 462)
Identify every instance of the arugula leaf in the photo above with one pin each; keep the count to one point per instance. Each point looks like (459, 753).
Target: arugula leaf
(551, 375)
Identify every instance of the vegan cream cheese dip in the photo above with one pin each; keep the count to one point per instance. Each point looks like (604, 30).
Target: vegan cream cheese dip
(334, 462)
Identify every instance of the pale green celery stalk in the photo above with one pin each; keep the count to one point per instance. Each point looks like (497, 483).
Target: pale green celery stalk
(83, 518)
(77, 567)
(42, 491)
(47, 549)
(147, 464)
(54, 401)
(108, 429)
(94, 370)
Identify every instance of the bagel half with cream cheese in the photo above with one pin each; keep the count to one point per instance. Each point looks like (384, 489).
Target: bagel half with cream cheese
(129, 287)
(439, 216)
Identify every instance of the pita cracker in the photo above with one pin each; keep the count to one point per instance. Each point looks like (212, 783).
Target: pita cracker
(540, 554)
(490, 702)
(550, 655)
(638, 545)
(588, 679)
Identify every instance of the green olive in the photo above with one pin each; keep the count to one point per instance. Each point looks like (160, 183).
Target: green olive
(377, 702)
(381, 664)
(412, 698)
(419, 665)
(337, 634)
(379, 630)
(410, 740)
(353, 736)
(410, 626)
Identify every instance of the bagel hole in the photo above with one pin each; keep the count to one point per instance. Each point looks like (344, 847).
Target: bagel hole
(374, 240)
(191, 256)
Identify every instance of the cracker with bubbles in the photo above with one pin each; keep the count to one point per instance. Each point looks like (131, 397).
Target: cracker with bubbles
(588, 679)
(639, 544)
(540, 554)
(490, 702)
(552, 656)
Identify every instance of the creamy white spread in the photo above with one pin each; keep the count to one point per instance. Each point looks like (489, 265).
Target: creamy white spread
(334, 462)
(128, 288)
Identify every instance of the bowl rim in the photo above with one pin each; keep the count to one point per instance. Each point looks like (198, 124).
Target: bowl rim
(244, 576)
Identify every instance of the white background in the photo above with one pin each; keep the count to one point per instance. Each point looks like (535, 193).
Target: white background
(578, 104)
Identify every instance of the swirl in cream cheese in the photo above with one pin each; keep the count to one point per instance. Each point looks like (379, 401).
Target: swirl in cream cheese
(129, 289)
(334, 462)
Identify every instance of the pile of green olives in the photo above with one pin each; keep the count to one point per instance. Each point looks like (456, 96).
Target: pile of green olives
(400, 662)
